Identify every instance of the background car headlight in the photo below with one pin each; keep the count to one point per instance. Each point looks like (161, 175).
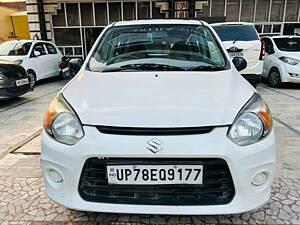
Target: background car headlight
(61, 122)
(2, 76)
(252, 123)
(289, 60)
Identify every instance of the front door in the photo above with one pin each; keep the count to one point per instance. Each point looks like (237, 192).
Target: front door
(91, 35)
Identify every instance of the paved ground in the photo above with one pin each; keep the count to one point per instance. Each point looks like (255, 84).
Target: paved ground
(22, 197)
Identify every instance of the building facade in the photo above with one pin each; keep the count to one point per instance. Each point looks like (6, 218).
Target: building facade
(75, 24)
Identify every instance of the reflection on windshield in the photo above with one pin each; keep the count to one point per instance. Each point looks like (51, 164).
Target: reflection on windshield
(288, 44)
(173, 46)
(14, 48)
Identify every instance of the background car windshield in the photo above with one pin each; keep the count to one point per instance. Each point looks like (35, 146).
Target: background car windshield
(183, 46)
(237, 33)
(14, 48)
(288, 44)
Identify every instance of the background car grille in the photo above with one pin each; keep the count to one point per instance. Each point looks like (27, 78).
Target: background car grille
(217, 187)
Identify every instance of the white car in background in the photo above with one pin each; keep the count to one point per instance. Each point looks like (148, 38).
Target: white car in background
(241, 39)
(282, 60)
(39, 58)
(158, 121)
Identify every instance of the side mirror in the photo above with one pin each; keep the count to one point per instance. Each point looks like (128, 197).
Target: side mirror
(240, 63)
(36, 53)
(75, 64)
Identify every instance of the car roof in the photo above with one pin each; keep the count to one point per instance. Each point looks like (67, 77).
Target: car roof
(27, 40)
(160, 21)
(284, 36)
(231, 24)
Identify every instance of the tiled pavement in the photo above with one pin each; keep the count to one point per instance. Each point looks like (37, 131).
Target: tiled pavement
(23, 201)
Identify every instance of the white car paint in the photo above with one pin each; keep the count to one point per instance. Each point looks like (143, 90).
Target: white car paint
(43, 66)
(272, 61)
(251, 50)
(160, 99)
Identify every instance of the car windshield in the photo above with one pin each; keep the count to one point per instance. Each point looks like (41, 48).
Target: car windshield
(14, 48)
(288, 44)
(236, 32)
(158, 47)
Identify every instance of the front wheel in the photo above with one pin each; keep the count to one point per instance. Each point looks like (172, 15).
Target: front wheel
(274, 79)
(32, 77)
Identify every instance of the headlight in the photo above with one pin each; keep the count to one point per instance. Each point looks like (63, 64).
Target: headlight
(252, 123)
(2, 77)
(289, 60)
(19, 61)
(61, 122)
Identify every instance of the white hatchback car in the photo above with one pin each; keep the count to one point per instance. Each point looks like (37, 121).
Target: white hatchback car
(241, 39)
(39, 58)
(282, 61)
(158, 121)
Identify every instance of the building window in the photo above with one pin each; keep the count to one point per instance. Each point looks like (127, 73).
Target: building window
(232, 10)
(218, 8)
(267, 29)
(156, 14)
(262, 10)
(67, 36)
(292, 10)
(276, 28)
(72, 14)
(129, 11)
(277, 10)
(59, 18)
(143, 10)
(247, 11)
(114, 12)
(258, 28)
(87, 14)
(101, 14)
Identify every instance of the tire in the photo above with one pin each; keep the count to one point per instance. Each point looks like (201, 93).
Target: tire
(32, 77)
(274, 79)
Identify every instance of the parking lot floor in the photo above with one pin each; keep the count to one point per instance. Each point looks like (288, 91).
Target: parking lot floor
(23, 199)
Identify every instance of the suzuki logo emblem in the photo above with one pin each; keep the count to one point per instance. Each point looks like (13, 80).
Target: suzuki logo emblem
(154, 145)
(233, 48)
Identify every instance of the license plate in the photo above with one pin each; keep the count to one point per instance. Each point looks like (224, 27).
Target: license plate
(65, 69)
(236, 54)
(155, 174)
(22, 82)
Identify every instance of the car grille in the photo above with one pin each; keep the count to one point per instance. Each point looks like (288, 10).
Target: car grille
(154, 131)
(217, 187)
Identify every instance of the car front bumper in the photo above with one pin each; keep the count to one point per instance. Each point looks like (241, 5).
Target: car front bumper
(243, 162)
(11, 92)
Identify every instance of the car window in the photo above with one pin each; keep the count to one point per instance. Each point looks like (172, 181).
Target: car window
(50, 48)
(288, 44)
(14, 48)
(237, 33)
(40, 48)
(268, 45)
(175, 45)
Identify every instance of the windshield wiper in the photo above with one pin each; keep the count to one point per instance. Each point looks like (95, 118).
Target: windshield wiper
(152, 66)
(143, 66)
(207, 68)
